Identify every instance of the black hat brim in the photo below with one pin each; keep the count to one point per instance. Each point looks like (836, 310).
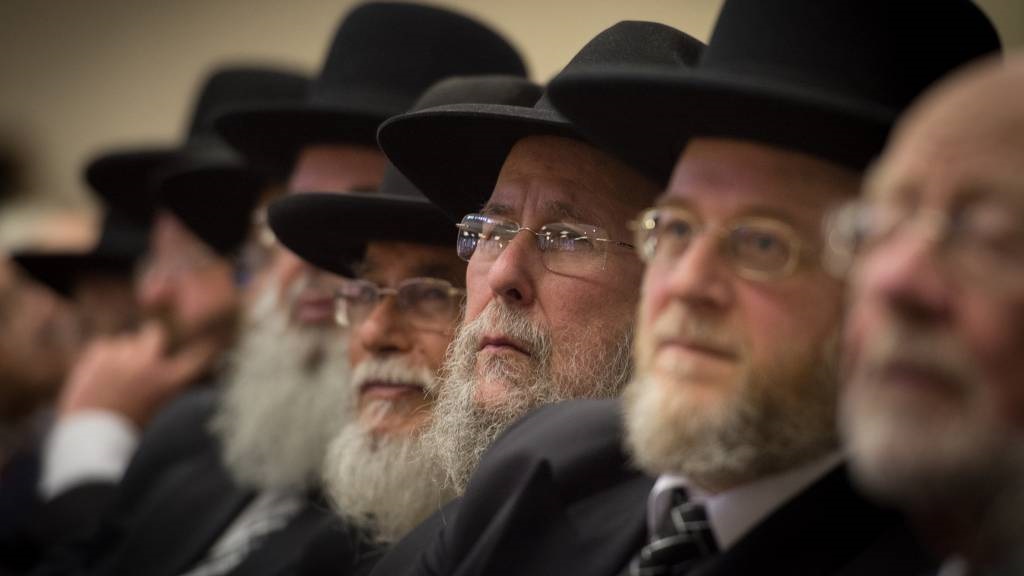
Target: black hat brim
(454, 153)
(122, 179)
(331, 231)
(274, 136)
(215, 201)
(59, 271)
(647, 115)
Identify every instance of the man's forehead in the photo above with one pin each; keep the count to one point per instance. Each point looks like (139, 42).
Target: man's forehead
(396, 261)
(336, 168)
(550, 208)
(735, 178)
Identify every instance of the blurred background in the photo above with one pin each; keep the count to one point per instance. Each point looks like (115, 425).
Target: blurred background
(79, 77)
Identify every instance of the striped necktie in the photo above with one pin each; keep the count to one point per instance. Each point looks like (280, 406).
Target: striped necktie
(681, 542)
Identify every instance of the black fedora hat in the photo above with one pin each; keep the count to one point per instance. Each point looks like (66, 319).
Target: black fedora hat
(331, 230)
(454, 153)
(121, 242)
(124, 177)
(382, 57)
(208, 185)
(824, 77)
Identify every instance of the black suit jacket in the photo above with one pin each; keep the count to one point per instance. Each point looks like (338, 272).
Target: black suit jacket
(175, 501)
(556, 495)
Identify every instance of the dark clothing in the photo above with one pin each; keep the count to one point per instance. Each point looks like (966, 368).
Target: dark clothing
(556, 495)
(173, 504)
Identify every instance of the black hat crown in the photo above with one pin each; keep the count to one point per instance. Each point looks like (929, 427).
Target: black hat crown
(235, 87)
(384, 55)
(331, 230)
(879, 53)
(822, 77)
(454, 153)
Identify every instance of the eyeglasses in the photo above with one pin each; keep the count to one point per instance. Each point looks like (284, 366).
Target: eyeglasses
(982, 243)
(566, 248)
(758, 248)
(426, 303)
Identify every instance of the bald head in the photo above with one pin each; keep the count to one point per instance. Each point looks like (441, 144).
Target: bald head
(970, 126)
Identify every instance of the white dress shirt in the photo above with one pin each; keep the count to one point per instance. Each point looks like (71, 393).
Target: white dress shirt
(734, 512)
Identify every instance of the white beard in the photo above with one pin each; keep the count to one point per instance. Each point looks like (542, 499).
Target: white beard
(461, 430)
(383, 483)
(286, 389)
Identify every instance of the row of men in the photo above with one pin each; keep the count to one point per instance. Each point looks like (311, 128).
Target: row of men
(668, 221)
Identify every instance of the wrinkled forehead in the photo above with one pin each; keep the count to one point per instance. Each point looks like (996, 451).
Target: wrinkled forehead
(941, 161)
(548, 179)
(389, 263)
(725, 178)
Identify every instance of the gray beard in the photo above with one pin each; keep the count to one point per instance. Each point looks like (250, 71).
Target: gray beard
(382, 484)
(461, 431)
(284, 391)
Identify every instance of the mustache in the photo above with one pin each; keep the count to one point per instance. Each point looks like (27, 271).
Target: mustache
(675, 324)
(937, 352)
(504, 321)
(396, 371)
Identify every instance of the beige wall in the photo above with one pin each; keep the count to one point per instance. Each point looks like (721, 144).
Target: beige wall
(79, 75)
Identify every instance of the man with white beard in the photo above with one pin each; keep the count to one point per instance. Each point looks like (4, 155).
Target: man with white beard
(932, 404)
(551, 278)
(732, 409)
(283, 377)
(400, 310)
(374, 474)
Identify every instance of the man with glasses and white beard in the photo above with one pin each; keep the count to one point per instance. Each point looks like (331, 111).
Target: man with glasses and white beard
(932, 402)
(732, 408)
(551, 279)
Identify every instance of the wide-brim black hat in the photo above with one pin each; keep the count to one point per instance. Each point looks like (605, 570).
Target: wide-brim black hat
(121, 242)
(213, 193)
(331, 230)
(382, 57)
(454, 153)
(121, 178)
(827, 78)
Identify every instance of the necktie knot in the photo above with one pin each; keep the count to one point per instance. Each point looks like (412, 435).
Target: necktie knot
(684, 538)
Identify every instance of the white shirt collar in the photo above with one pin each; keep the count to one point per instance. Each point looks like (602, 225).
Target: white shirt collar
(733, 513)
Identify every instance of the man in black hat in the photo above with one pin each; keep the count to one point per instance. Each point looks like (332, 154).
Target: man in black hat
(99, 280)
(551, 279)
(186, 291)
(373, 475)
(732, 407)
(932, 400)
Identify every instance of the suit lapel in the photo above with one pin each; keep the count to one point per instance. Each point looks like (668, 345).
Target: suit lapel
(284, 548)
(191, 509)
(822, 530)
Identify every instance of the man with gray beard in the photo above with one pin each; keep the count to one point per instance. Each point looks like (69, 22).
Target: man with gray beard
(732, 408)
(551, 278)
